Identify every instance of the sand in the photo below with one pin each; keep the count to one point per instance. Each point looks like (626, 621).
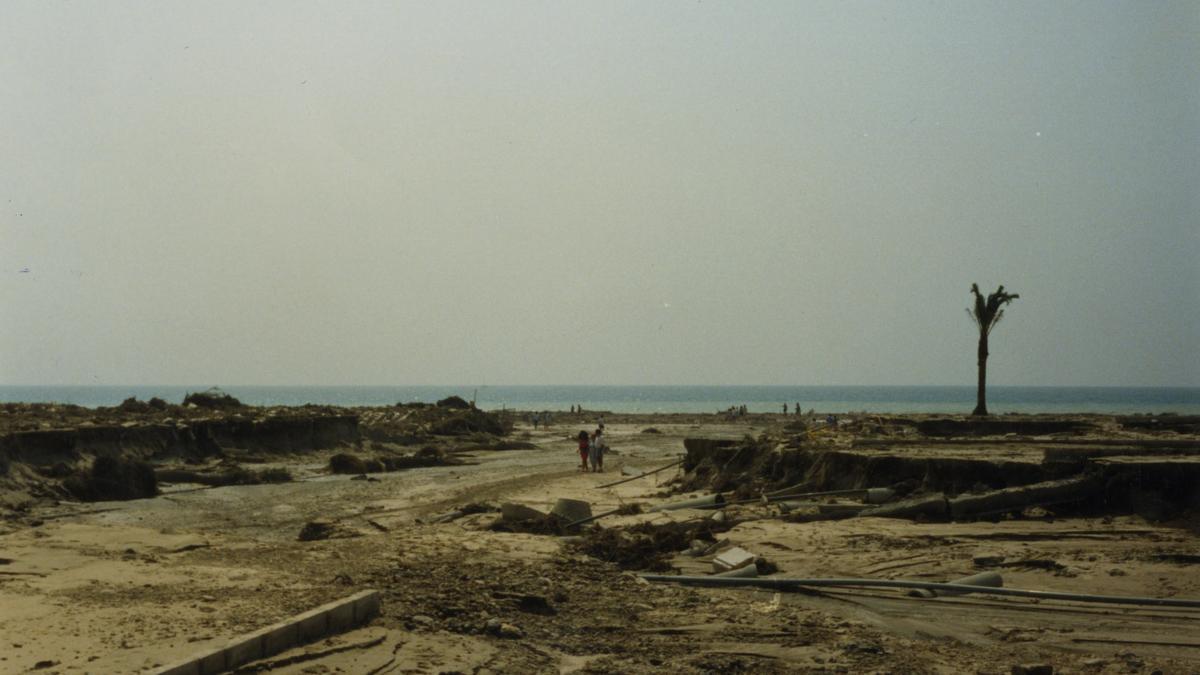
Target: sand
(129, 586)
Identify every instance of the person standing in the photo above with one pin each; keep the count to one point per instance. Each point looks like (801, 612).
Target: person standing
(584, 450)
(785, 408)
(596, 451)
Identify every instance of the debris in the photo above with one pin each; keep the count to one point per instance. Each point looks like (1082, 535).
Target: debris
(322, 528)
(1033, 669)
(512, 511)
(732, 559)
(991, 579)
(929, 506)
(648, 473)
(795, 584)
(706, 502)
(646, 545)
(446, 517)
(503, 629)
(878, 495)
(572, 510)
(745, 571)
(1017, 498)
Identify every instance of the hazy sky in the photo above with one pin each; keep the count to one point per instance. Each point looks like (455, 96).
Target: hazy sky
(610, 193)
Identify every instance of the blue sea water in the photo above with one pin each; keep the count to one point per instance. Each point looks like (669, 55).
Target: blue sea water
(666, 399)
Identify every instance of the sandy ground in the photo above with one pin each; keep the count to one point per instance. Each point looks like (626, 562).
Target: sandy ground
(129, 586)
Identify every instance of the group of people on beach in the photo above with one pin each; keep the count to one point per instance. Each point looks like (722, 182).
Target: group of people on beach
(591, 449)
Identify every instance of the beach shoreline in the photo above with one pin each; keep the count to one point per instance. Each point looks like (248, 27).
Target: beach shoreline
(133, 585)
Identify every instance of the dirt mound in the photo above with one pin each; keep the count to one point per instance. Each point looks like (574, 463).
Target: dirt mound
(213, 399)
(132, 405)
(647, 546)
(235, 475)
(542, 524)
(456, 402)
(349, 463)
(113, 478)
(469, 421)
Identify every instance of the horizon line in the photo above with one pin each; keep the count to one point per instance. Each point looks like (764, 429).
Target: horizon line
(598, 386)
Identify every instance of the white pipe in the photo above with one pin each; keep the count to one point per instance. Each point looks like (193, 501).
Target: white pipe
(789, 584)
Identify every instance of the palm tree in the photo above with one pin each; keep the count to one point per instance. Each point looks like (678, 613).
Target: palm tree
(986, 314)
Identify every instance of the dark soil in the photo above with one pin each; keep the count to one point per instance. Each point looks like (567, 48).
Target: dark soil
(647, 546)
(113, 478)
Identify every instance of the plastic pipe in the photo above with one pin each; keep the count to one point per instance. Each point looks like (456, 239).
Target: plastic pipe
(744, 572)
(788, 584)
(707, 502)
(992, 579)
(648, 473)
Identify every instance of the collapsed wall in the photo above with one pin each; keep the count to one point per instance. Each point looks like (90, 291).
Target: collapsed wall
(1158, 487)
(102, 462)
(188, 439)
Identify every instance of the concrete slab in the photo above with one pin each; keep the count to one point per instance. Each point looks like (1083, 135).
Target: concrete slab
(334, 617)
(734, 558)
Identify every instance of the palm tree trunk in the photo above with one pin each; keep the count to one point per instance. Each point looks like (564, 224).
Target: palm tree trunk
(981, 395)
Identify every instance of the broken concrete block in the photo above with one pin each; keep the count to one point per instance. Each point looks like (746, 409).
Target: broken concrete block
(572, 510)
(511, 511)
(732, 559)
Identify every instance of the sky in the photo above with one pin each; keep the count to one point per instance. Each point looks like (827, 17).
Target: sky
(598, 192)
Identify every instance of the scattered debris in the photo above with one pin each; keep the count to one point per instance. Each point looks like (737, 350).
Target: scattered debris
(321, 528)
(732, 559)
(212, 398)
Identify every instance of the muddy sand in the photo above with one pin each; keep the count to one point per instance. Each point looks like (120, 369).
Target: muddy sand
(134, 585)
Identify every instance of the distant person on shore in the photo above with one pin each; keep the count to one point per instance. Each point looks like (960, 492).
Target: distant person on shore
(784, 408)
(585, 447)
(546, 419)
(596, 451)
(798, 410)
(535, 421)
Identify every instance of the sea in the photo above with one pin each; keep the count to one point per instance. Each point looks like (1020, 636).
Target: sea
(665, 399)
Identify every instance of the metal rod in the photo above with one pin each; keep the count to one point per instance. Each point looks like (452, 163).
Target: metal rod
(626, 480)
(787, 584)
